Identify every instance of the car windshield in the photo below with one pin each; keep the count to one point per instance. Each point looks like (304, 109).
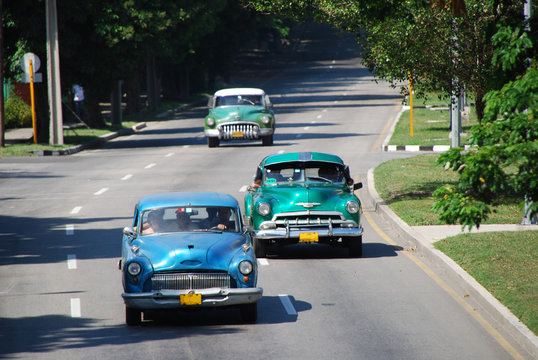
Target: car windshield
(189, 219)
(303, 172)
(239, 100)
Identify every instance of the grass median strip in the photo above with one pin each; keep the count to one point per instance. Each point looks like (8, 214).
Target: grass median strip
(407, 185)
(505, 263)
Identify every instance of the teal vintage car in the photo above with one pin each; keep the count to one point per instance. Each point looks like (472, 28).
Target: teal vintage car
(239, 114)
(304, 197)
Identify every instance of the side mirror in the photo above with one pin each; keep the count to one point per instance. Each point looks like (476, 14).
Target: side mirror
(357, 186)
(129, 231)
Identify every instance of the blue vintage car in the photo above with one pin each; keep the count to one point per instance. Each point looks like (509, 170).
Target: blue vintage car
(304, 197)
(188, 250)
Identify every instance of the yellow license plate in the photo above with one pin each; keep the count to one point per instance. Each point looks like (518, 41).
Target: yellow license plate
(237, 134)
(309, 237)
(190, 299)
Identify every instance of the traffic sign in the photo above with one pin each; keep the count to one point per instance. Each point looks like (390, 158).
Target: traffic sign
(25, 62)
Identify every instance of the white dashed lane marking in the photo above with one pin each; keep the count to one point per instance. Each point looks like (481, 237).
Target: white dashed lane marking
(288, 306)
(69, 229)
(71, 262)
(126, 177)
(149, 166)
(263, 262)
(102, 191)
(76, 210)
(75, 308)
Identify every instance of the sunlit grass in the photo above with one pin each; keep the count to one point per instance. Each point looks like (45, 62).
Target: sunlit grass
(505, 263)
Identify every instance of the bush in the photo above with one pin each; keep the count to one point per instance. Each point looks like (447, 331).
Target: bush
(17, 113)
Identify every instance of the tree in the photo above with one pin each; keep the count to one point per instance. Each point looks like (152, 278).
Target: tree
(435, 41)
(503, 159)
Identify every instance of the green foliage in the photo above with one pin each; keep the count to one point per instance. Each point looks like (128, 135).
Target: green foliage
(503, 160)
(17, 113)
(458, 207)
(510, 43)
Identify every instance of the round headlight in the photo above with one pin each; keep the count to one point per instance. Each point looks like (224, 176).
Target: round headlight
(134, 268)
(264, 208)
(266, 120)
(245, 267)
(210, 122)
(352, 207)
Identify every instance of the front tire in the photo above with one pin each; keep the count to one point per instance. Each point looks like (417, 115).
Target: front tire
(355, 247)
(267, 140)
(133, 317)
(260, 248)
(212, 142)
(249, 313)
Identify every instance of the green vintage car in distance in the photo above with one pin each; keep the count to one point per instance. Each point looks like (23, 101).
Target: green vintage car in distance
(304, 197)
(239, 114)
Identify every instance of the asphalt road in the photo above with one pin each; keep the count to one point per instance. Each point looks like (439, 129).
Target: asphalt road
(61, 220)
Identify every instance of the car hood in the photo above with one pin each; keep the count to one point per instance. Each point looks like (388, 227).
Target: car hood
(305, 196)
(185, 251)
(238, 113)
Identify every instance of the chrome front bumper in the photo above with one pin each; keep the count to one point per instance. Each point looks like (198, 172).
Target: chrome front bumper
(231, 131)
(214, 297)
(294, 233)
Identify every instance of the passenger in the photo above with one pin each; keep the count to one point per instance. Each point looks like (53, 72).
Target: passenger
(184, 220)
(154, 223)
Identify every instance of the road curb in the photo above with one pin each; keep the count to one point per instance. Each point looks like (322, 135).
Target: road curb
(501, 314)
(92, 144)
(411, 148)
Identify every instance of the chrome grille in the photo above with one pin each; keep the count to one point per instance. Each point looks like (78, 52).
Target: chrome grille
(189, 281)
(309, 219)
(239, 131)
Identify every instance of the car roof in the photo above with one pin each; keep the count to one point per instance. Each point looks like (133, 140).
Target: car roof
(186, 199)
(301, 157)
(239, 91)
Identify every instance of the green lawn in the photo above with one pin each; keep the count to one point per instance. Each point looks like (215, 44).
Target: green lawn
(431, 124)
(407, 186)
(505, 263)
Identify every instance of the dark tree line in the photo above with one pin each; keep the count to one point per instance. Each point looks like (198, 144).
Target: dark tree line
(165, 48)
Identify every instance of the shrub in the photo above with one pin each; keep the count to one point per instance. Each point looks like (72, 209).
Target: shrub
(17, 113)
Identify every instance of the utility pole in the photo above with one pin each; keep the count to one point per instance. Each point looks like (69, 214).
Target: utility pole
(458, 10)
(53, 75)
(527, 219)
(2, 122)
